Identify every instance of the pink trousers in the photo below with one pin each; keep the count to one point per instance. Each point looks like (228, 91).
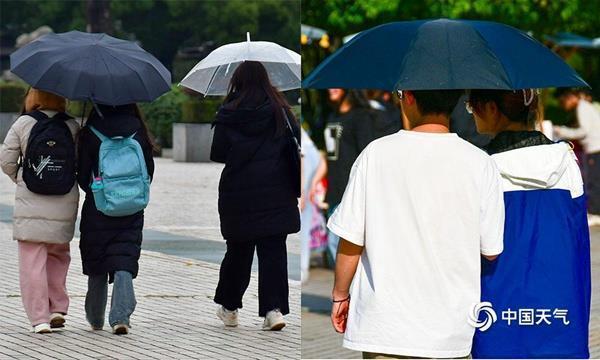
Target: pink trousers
(43, 275)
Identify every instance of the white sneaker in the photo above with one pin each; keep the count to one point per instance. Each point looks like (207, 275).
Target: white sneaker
(273, 321)
(43, 328)
(120, 329)
(228, 317)
(593, 220)
(57, 320)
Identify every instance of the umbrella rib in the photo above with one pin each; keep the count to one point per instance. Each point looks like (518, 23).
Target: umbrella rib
(212, 78)
(510, 81)
(135, 72)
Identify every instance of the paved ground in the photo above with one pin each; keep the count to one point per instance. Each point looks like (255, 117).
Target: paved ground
(175, 312)
(319, 340)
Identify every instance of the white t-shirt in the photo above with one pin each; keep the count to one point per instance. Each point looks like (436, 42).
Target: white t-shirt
(424, 206)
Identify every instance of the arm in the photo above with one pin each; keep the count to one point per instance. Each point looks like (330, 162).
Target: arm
(348, 255)
(149, 159)
(220, 145)
(570, 133)
(84, 160)
(348, 222)
(302, 192)
(492, 214)
(319, 175)
(10, 153)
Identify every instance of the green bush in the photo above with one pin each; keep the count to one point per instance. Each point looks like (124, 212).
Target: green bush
(11, 96)
(162, 113)
(190, 111)
(202, 110)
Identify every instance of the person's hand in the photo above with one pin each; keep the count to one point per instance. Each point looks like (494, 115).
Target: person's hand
(339, 314)
(302, 201)
(312, 192)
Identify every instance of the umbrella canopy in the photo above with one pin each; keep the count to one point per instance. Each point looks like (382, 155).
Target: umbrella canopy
(443, 54)
(97, 67)
(211, 76)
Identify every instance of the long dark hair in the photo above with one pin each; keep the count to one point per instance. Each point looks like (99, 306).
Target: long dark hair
(128, 109)
(249, 84)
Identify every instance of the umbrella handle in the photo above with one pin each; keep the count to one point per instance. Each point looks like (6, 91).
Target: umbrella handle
(97, 109)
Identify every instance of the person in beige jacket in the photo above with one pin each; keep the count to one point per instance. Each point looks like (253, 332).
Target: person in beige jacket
(43, 224)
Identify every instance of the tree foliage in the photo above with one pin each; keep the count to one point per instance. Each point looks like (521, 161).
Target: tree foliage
(343, 17)
(163, 26)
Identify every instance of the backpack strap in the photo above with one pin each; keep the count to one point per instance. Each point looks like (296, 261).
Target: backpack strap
(100, 136)
(38, 115)
(41, 116)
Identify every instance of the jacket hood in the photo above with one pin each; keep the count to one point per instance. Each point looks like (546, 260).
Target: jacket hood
(116, 124)
(247, 118)
(539, 167)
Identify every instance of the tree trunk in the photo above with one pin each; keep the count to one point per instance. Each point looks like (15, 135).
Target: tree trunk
(98, 16)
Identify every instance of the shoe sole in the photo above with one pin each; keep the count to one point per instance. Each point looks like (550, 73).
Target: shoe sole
(45, 331)
(275, 327)
(121, 330)
(57, 323)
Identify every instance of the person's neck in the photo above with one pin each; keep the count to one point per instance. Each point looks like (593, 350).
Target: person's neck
(433, 124)
(513, 126)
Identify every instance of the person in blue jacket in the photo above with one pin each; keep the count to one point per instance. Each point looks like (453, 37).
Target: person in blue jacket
(539, 289)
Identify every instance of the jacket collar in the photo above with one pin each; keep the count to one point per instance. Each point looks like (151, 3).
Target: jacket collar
(511, 140)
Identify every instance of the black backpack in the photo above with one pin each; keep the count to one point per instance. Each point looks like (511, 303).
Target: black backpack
(49, 162)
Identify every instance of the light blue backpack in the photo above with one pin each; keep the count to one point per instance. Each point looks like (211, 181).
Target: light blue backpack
(122, 186)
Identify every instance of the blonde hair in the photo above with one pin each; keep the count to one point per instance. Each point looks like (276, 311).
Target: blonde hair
(42, 100)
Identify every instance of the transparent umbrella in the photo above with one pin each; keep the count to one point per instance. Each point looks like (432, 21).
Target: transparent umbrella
(211, 76)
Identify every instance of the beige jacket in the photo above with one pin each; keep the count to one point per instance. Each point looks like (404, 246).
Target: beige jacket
(37, 218)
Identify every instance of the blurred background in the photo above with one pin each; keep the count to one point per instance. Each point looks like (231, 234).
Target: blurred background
(179, 33)
(182, 218)
(571, 28)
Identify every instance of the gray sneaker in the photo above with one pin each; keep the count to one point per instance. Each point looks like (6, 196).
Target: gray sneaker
(228, 317)
(273, 321)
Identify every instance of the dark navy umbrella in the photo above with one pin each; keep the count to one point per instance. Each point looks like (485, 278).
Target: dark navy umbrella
(443, 54)
(96, 67)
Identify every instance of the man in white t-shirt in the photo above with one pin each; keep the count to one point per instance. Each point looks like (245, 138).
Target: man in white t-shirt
(419, 209)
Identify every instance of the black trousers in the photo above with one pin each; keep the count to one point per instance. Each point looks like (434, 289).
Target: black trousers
(236, 268)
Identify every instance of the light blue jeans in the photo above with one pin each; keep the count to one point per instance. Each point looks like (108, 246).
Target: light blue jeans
(122, 302)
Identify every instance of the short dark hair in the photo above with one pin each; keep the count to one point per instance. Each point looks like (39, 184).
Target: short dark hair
(437, 101)
(510, 103)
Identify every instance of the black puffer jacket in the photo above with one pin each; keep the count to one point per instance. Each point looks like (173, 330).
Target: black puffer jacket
(256, 191)
(108, 243)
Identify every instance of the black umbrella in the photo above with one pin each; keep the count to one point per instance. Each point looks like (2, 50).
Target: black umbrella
(96, 67)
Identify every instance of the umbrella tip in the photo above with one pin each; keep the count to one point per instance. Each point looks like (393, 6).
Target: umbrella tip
(248, 36)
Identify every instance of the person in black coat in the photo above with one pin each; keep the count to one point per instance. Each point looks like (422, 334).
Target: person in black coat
(110, 246)
(258, 193)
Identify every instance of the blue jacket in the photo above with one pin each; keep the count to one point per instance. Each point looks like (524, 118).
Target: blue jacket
(539, 287)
